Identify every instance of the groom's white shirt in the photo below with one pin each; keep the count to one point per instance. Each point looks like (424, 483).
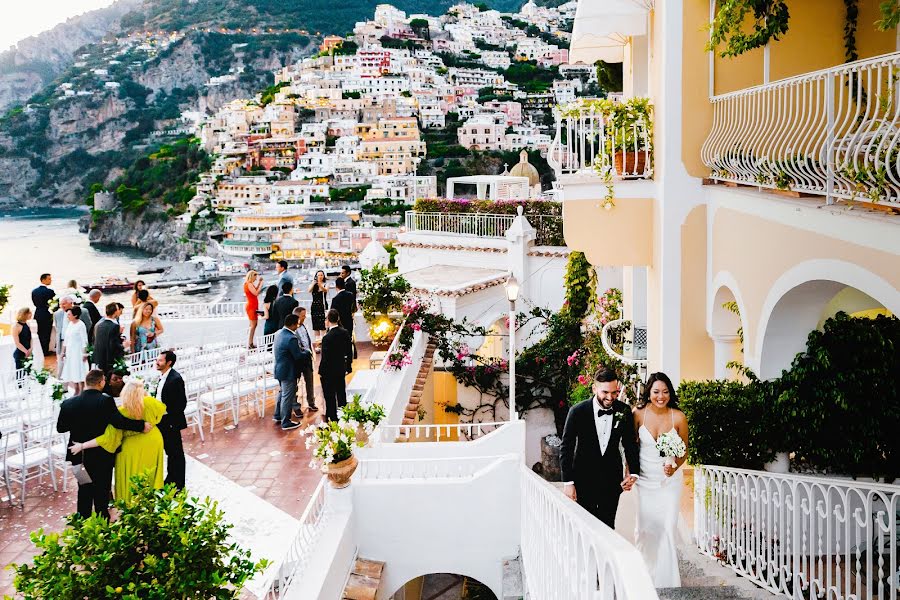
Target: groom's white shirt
(603, 425)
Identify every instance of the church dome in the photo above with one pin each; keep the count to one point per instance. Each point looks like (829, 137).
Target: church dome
(525, 169)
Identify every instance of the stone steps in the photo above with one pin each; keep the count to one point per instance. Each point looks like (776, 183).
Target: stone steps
(704, 579)
(411, 414)
(364, 581)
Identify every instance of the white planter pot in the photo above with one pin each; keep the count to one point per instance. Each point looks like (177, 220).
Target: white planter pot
(781, 464)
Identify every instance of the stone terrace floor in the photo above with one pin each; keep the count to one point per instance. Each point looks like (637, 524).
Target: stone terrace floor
(257, 455)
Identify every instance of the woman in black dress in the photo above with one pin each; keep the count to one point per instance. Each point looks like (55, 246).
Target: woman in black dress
(319, 292)
(271, 324)
(22, 337)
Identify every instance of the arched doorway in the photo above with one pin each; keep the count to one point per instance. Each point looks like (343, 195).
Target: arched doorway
(444, 586)
(726, 328)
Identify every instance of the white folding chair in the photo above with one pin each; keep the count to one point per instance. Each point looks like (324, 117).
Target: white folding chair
(218, 397)
(192, 412)
(58, 446)
(30, 458)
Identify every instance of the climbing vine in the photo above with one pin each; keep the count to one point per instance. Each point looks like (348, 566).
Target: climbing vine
(850, 24)
(890, 15)
(770, 20)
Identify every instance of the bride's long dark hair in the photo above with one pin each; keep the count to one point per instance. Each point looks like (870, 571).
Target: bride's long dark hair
(654, 377)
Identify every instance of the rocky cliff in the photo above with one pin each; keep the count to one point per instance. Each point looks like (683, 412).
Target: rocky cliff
(150, 231)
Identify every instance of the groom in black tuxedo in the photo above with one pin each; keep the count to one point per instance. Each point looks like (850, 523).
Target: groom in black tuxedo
(590, 459)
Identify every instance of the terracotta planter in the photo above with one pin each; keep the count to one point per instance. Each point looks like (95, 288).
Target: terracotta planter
(361, 436)
(339, 474)
(630, 164)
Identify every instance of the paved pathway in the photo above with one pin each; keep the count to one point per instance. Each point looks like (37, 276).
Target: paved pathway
(257, 456)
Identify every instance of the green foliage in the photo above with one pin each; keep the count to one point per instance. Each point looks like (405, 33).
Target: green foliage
(609, 76)
(770, 20)
(850, 22)
(890, 15)
(380, 293)
(268, 95)
(348, 194)
(4, 296)
(163, 545)
(845, 387)
(530, 77)
(581, 284)
(732, 424)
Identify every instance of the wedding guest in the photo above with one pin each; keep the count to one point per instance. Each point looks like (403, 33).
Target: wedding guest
(287, 353)
(283, 276)
(349, 282)
(60, 319)
(138, 286)
(144, 299)
(285, 304)
(271, 324)
(252, 287)
(86, 417)
(305, 367)
(72, 288)
(73, 354)
(41, 297)
(336, 362)
(93, 312)
(319, 292)
(21, 334)
(345, 303)
(170, 391)
(108, 345)
(145, 330)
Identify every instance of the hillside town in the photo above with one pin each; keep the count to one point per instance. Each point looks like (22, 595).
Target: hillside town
(331, 155)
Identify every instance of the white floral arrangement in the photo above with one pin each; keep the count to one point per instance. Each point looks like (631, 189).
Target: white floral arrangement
(331, 442)
(671, 446)
(364, 412)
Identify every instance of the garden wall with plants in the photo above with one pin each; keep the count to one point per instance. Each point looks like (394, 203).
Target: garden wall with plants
(836, 409)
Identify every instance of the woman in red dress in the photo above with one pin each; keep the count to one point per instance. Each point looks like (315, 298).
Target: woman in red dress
(252, 285)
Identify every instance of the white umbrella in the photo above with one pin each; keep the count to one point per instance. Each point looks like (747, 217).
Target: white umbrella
(603, 28)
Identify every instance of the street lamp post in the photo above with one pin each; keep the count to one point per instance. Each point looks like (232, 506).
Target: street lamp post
(512, 293)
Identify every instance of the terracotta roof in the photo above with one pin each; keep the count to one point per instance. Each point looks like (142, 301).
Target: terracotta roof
(549, 251)
(448, 247)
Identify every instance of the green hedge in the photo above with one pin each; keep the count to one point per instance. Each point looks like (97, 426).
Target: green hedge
(837, 408)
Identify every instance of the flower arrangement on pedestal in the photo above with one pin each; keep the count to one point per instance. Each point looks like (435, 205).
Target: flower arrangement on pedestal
(366, 414)
(398, 359)
(332, 445)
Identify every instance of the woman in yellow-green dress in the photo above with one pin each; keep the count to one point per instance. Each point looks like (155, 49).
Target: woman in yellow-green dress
(141, 452)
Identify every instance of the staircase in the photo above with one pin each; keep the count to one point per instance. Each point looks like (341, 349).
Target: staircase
(411, 414)
(365, 578)
(704, 579)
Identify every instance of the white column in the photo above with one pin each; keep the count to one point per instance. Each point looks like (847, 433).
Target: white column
(727, 348)
(634, 295)
(639, 53)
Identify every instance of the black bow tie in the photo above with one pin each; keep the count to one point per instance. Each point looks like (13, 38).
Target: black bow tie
(604, 411)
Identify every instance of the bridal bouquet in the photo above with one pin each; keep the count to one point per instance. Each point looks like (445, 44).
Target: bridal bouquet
(670, 446)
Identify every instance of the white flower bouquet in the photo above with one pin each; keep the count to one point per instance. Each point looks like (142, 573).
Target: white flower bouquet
(366, 413)
(671, 446)
(331, 442)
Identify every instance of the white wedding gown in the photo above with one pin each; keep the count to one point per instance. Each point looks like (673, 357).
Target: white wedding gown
(659, 502)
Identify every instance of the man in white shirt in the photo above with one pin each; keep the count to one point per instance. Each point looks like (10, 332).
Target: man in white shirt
(589, 457)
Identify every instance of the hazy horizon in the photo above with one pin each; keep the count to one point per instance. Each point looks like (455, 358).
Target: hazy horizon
(41, 15)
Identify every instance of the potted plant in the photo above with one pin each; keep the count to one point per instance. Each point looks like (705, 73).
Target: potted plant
(332, 444)
(364, 415)
(380, 295)
(628, 131)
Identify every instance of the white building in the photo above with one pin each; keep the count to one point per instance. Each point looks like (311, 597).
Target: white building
(483, 132)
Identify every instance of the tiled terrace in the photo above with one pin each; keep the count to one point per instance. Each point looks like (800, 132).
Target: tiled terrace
(257, 455)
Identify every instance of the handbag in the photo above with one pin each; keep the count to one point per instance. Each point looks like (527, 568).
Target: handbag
(81, 474)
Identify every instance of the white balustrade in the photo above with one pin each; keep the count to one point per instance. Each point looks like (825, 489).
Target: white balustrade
(801, 536)
(567, 553)
(436, 433)
(472, 224)
(585, 138)
(834, 132)
(292, 565)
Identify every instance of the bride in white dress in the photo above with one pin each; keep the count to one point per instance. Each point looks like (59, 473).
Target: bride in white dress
(660, 484)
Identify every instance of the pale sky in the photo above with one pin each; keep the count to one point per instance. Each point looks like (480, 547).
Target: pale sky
(23, 19)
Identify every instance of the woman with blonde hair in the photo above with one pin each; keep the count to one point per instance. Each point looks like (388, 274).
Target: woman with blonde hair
(145, 329)
(141, 452)
(253, 284)
(21, 334)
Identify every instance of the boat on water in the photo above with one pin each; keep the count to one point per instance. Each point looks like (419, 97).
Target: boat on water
(198, 270)
(196, 288)
(110, 285)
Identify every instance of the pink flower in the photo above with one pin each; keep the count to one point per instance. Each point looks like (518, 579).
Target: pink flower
(415, 327)
(583, 379)
(572, 359)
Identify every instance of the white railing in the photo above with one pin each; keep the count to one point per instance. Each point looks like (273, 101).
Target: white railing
(634, 350)
(801, 536)
(585, 138)
(284, 572)
(567, 553)
(473, 224)
(201, 311)
(834, 132)
(425, 468)
(436, 433)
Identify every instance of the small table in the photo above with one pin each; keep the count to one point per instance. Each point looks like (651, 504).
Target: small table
(376, 359)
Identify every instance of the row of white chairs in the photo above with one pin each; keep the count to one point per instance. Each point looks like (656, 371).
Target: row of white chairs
(31, 452)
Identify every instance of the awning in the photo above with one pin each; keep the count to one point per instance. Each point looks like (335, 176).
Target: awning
(602, 29)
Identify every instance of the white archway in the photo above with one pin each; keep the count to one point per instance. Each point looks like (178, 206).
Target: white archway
(796, 303)
(399, 594)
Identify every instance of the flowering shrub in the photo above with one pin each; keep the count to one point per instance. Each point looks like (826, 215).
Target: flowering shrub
(398, 359)
(331, 442)
(609, 307)
(544, 215)
(364, 412)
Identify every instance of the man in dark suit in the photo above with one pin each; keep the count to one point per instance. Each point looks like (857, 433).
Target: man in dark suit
(41, 297)
(170, 391)
(589, 456)
(283, 305)
(336, 361)
(349, 282)
(90, 306)
(345, 303)
(108, 345)
(305, 364)
(85, 417)
(287, 357)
